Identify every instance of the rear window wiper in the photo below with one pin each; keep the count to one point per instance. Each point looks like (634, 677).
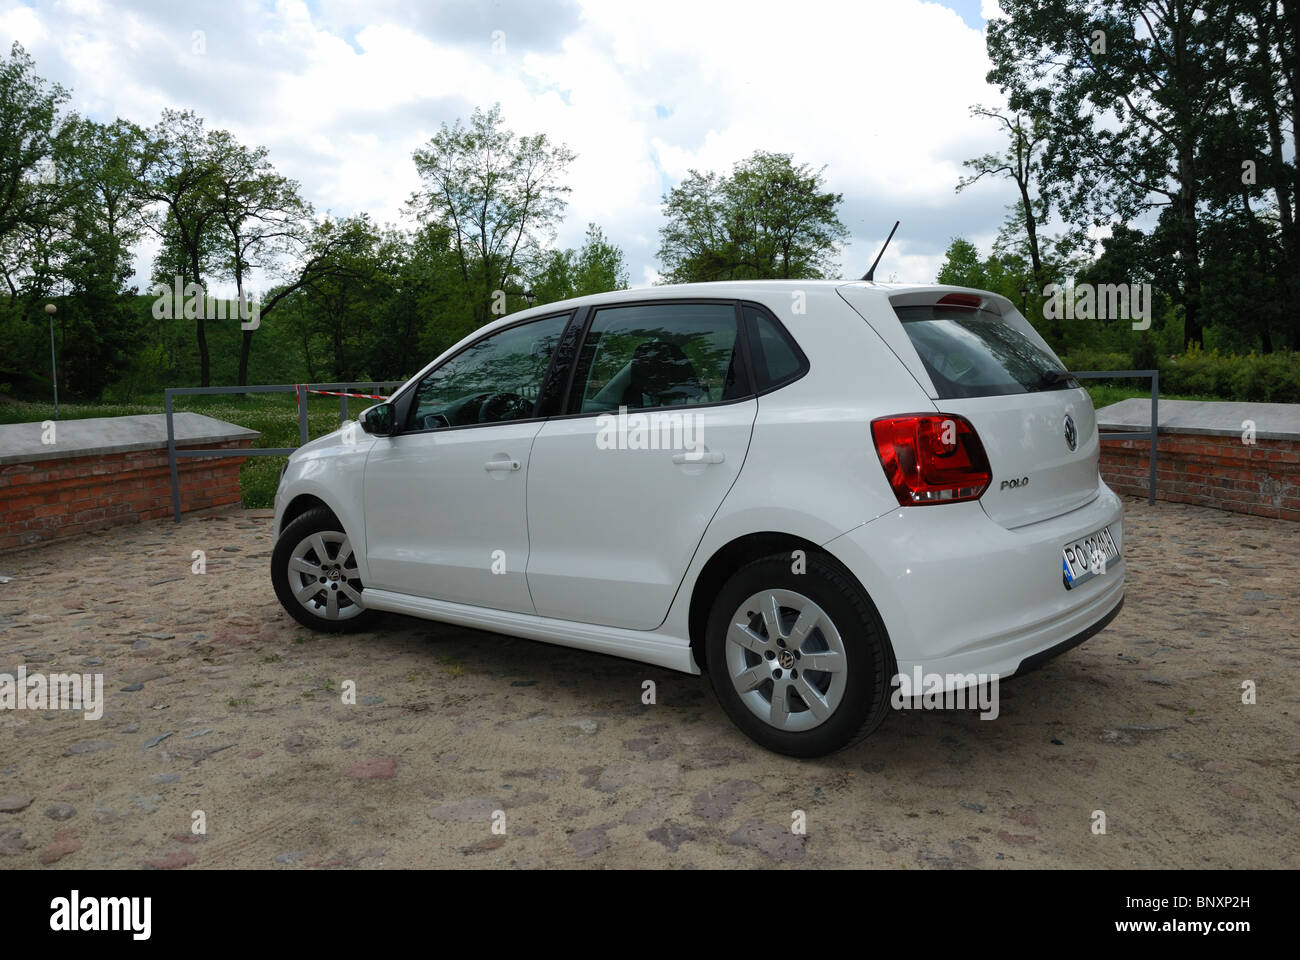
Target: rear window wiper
(1050, 378)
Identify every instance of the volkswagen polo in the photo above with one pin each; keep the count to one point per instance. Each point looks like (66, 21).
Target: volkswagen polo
(804, 490)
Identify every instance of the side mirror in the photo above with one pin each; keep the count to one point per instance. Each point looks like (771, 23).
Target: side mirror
(379, 420)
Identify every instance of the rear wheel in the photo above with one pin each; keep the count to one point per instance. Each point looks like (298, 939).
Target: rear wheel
(314, 572)
(799, 661)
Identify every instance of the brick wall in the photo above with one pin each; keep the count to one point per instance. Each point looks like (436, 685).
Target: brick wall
(48, 499)
(1261, 478)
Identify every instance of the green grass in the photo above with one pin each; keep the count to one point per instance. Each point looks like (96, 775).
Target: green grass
(274, 415)
(1104, 394)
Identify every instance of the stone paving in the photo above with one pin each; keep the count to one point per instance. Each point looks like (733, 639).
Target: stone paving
(223, 713)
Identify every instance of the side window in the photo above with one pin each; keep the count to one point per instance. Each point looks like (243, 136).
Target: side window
(776, 357)
(659, 355)
(494, 380)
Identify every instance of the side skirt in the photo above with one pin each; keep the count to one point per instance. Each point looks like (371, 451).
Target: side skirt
(672, 653)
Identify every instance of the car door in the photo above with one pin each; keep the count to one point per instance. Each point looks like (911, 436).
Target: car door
(622, 486)
(446, 497)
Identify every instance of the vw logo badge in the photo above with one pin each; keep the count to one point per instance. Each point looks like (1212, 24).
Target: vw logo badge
(1071, 433)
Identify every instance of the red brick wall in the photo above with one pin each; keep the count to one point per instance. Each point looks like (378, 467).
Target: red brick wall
(48, 499)
(1261, 478)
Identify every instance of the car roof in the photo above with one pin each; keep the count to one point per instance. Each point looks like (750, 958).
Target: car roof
(724, 289)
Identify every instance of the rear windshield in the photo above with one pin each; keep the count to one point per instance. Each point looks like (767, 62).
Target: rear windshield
(975, 353)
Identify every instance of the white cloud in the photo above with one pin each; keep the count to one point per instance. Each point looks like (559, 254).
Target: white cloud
(342, 92)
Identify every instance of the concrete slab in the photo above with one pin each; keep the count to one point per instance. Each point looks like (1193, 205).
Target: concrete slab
(1219, 418)
(21, 442)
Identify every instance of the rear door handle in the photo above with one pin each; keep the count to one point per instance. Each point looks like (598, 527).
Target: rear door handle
(502, 465)
(699, 456)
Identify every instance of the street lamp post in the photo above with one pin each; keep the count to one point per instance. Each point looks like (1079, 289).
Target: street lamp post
(1024, 298)
(54, 368)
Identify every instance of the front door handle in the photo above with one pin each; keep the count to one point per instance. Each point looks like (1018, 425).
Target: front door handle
(511, 465)
(699, 456)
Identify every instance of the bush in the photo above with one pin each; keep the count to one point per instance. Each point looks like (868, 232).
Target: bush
(145, 370)
(1259, 378)
(1264, 378)
(1145, 356)
(1096, 360)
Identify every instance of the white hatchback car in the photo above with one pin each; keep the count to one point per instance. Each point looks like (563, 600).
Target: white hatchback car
(803, 489)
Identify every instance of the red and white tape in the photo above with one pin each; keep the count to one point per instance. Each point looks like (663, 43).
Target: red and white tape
(297, 394)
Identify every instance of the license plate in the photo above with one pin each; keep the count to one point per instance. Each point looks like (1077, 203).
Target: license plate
(1087, 557)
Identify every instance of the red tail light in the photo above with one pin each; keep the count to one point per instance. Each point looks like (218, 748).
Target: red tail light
(931, 458)
(960, 300)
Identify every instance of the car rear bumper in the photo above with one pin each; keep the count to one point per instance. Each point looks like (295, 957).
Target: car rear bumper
(1034, 661)
(960, 594)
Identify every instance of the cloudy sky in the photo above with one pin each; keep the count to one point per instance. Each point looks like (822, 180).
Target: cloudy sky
(342, 91)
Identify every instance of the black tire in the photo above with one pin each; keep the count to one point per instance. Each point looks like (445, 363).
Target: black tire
(317, 520)
(864, 702)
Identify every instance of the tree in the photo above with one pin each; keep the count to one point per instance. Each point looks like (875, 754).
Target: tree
(261, 217)
(101, 160)
(104, 221)
(595, 267)
(962, 266)
(178, 174)
(30, 203)
(768, 219)
(498, 195)
(1126, 89)
(417, 318)
(599, 266)
(1019, 163)
(340, 292)
(28, 126)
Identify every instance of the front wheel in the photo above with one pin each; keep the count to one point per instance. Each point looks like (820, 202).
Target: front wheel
(799, 661)
(314, 572)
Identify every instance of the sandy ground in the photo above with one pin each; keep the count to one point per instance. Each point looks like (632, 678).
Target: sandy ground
(454, 730)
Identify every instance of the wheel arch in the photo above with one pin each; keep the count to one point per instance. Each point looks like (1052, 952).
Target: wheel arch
(300, 505)
(735, 554)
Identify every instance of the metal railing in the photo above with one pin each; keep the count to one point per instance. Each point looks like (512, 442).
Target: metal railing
(303, 390)
(1151, 435)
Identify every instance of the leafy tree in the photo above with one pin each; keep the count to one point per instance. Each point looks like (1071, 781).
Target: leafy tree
(178, 174)
(104, 221)
(1019, 162)
(30, 203)
(498, 195)
(28, 127)
(962, 266)
(338, 306)
(1125, 88)
(599, 266)
(261, 216)
(768, 219)
(595, 267)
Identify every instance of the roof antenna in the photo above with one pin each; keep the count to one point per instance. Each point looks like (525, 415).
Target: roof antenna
(871, 274)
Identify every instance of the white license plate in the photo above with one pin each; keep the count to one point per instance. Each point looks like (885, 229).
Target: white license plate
(1087, 557)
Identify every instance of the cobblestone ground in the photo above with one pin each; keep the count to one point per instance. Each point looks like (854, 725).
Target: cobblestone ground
(218, 702)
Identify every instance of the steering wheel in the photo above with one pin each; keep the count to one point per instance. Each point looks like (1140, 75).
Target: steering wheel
(504, 406)
(435, 421)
